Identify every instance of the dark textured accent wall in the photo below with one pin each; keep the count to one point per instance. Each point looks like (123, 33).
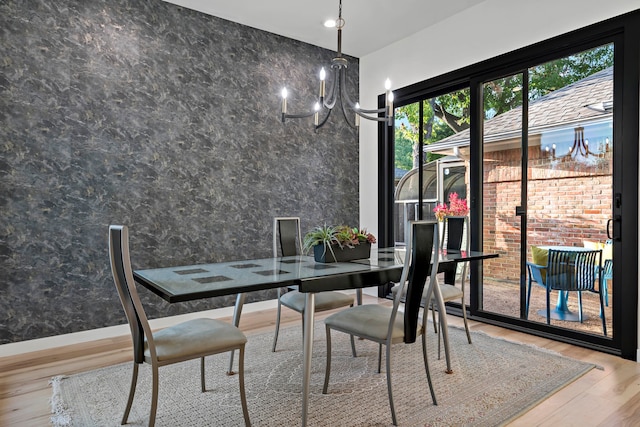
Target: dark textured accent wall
(161, 118)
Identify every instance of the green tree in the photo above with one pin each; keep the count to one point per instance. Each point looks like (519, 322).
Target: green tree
(448, 114)
(404, 144)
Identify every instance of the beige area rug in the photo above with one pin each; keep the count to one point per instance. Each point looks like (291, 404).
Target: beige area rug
(493, 382)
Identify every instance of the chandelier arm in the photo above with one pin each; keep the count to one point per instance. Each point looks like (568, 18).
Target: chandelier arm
(376, 111)
(346, 118)
(329, 105)
(324, 120)
(358, 111)
(368, 117)
(297, 116)
(343, 84)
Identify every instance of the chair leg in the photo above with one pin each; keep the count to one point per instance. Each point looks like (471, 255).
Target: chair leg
(425, 357)
(132, 392)
(466, 324)
(243, 396)
(526, 315)
(353, 341)
(549, 307)
(353, 346)
(435, 325)
(202, 375)
(237, 312)
(275, 337)
(604, 323)
(154, 395)
(327, 370)
(389, 388)
(439, 336)
(580, 306)
(379, 358)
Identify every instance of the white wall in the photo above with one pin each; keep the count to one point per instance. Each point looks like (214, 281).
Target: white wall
(491, 28)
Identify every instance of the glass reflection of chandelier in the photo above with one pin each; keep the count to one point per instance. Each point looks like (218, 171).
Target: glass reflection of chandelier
(580, 149)
(580, 146)
(337, 94)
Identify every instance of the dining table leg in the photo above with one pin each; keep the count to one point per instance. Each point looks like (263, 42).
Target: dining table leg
(309, 314)
(237, 311)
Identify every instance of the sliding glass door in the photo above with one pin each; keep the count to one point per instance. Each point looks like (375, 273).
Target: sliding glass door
(547, 158)
(547, 184)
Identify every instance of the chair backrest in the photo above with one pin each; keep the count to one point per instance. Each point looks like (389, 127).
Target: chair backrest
(454, 230)
(607, 250)
(421, 262)
(287, 238)
(607, 268)
(573, 270)
(125, 284)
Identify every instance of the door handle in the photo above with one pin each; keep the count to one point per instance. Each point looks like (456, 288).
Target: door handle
(616, 222)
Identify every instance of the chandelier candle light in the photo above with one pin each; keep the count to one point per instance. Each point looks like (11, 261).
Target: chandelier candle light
(338, 93)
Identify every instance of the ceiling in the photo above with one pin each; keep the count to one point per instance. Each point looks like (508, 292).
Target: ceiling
(370, 24)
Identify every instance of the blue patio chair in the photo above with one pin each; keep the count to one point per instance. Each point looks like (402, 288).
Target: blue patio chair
(607, 274)
(568, 271)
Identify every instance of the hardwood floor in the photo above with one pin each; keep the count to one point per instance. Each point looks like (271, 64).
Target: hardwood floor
(603, 397)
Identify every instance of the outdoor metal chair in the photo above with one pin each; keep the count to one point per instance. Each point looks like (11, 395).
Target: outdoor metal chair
(569, 271)
(607, 274)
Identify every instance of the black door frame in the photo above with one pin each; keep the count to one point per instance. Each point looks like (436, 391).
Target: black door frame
(624, 31)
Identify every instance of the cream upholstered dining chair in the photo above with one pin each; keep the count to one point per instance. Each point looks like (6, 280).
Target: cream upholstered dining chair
(385, 325)
(287, 241)
(192, 339)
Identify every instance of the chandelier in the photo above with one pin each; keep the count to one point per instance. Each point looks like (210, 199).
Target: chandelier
(337, 94)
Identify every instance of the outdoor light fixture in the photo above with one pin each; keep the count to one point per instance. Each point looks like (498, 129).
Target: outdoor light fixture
(337, 94)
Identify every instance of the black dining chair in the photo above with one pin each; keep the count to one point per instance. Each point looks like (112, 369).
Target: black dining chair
(192, 339)
(454, 239)
(386, 325)
(287, 241)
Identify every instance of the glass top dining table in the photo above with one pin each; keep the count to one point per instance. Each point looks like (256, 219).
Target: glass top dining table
(185, 283)
(191, 282)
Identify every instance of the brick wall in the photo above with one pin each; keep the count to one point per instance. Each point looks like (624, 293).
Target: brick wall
(569, 201)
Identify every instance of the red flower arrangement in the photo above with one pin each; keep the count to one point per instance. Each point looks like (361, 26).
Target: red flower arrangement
(457, 207)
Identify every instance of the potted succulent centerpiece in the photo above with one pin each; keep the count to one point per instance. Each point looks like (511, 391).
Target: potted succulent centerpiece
(338, 243)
